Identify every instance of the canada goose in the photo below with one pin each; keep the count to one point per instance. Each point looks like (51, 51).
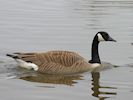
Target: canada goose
(62, 62)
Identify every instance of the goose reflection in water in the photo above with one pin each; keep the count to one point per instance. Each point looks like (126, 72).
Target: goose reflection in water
(54, 79)
(71, 80)
(96, 87)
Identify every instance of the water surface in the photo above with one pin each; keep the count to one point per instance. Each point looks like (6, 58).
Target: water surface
(43, 25)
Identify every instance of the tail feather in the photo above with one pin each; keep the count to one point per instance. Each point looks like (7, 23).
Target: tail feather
(13, 56)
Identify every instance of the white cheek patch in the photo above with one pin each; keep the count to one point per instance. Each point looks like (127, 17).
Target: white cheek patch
(100, 38)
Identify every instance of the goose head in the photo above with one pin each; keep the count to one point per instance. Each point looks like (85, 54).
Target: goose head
(99, 37)
(104, 36)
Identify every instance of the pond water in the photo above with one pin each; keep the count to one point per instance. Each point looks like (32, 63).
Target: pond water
(43, 25)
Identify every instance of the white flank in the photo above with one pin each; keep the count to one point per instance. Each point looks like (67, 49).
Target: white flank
(100, 38)
(27, 65)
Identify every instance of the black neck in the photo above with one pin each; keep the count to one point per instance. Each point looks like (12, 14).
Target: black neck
(94, 51)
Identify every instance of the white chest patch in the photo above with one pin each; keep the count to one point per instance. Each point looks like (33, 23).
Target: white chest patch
(95, 65)
(27, 65)
(100, 38)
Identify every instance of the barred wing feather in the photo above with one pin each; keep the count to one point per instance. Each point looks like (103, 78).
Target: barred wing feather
(62, 57)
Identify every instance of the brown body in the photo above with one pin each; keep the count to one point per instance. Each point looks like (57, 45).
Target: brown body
(62, 62)
(57, 62)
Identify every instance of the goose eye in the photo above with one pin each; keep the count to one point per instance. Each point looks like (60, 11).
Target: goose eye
(105, 36)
